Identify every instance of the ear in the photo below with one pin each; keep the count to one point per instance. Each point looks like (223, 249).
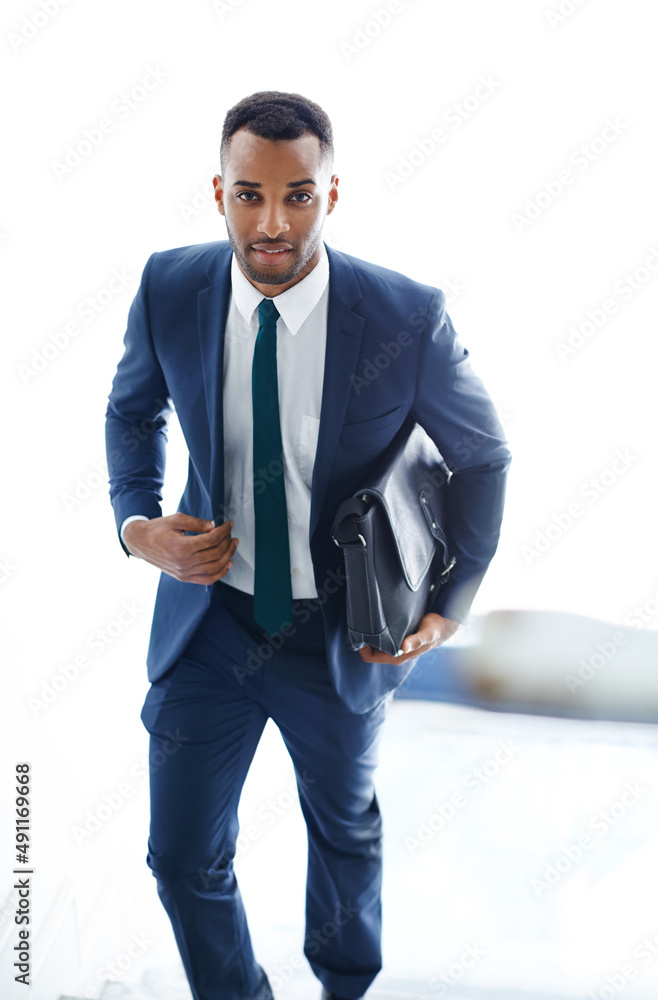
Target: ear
(219, 193)
(333, 194)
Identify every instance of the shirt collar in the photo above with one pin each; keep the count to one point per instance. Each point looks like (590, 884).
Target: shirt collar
(294, 305)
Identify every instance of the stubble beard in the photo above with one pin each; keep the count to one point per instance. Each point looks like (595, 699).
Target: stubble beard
(302, 255)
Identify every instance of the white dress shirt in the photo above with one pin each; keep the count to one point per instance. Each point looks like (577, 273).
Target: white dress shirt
(301, 343)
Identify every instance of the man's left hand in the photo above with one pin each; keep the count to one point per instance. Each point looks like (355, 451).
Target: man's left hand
(432, 631)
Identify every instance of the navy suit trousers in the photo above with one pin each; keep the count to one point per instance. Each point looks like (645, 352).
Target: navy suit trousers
(205, 717)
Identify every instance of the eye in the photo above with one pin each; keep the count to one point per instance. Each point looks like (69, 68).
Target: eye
(246, 195)
(302, 194)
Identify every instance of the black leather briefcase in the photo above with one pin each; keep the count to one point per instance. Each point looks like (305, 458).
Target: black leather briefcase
(392, 535)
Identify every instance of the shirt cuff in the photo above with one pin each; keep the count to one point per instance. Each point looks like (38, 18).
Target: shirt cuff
(133, 517)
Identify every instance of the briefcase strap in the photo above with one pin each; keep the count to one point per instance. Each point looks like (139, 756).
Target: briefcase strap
(344, 531)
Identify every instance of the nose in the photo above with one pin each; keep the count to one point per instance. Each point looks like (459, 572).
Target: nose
(272, 222)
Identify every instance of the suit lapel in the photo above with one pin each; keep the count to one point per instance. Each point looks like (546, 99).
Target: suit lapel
(212, 304)
(344, 332)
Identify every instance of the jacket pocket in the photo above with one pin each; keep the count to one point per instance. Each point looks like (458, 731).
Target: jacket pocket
(370, 425)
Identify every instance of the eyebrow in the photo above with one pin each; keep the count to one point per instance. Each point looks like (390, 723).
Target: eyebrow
(292, 184)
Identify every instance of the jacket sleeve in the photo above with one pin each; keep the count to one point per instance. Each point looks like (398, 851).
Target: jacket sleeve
(456, 411)
(136, 419)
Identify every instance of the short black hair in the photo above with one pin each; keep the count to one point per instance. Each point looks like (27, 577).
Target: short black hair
(275, 115)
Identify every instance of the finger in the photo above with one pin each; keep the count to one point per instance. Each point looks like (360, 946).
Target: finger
(213, 565)
(378, 657)
(210, 539)
(208, 578)
(372, 655)
(416, 641)
(189, 523)
(212, 553)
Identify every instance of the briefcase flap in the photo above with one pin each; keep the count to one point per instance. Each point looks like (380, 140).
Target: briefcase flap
(410, 487)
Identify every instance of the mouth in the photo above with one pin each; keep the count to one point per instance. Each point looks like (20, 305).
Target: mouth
(271, 255)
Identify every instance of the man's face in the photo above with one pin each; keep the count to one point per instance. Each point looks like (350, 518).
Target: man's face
(275, 197)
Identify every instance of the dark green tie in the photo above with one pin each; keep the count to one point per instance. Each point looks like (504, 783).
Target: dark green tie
(272, 584)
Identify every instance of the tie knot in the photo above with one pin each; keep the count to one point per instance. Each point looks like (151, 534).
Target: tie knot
(268, 313)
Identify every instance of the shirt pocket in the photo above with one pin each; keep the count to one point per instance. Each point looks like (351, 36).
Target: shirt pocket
(308, 443)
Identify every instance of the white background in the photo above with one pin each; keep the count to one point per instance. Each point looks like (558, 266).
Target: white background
(516, 289)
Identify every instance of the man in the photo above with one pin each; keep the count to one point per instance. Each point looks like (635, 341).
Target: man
(265, 346)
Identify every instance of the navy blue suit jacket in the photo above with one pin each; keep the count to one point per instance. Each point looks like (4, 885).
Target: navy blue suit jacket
(391, 351)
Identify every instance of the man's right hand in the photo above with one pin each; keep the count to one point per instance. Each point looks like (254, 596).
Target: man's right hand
(200, 558)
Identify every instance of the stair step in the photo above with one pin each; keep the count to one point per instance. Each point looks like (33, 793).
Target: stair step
(170, 984)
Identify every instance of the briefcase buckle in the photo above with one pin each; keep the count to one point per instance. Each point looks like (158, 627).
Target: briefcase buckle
(448, 568)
